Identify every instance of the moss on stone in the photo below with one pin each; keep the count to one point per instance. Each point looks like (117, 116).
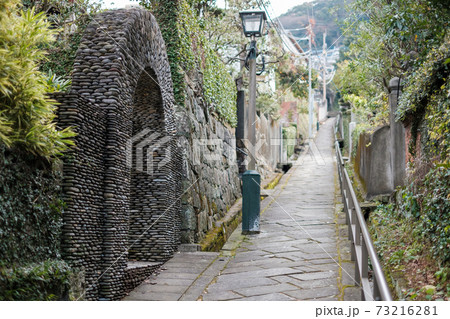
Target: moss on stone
(217, 237)
(274, 182)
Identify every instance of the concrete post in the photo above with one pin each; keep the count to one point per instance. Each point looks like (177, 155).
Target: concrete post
(251, 201)
(397, 131)
(351, 127)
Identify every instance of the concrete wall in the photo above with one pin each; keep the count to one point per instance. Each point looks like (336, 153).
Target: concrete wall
(268, 140)
(381, 156)
(373, 162)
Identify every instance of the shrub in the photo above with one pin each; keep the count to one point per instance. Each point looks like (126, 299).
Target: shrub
(435, 216)
(26, 112)
(48, 280)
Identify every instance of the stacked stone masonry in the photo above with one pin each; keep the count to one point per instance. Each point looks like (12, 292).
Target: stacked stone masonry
(123, 203)
(145, 174)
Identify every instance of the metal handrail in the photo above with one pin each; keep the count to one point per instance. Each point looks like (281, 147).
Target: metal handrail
(362, 248)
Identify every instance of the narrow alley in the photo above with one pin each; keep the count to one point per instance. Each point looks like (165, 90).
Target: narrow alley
(302, 252)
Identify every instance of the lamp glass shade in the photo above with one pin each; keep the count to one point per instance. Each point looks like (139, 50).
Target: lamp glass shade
(253, 22)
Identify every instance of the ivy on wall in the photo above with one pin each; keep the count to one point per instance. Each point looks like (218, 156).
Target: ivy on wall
(190, 53)
(30, 229)
(219, 88)
(425, 97)
(30, 208)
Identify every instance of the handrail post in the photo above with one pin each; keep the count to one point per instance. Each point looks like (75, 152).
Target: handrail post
(354, 228)
(376, 289)
(364, 259)
(347, 217)
(357, 233)
(351, 216)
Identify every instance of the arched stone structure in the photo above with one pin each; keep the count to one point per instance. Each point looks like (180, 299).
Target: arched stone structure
(122, 182)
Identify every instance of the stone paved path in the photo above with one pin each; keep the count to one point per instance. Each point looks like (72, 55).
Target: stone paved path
(302, 252)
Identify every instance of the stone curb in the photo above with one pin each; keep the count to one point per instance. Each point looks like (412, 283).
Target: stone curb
(224, 228)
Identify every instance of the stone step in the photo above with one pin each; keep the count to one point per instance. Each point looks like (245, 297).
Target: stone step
(137, 271)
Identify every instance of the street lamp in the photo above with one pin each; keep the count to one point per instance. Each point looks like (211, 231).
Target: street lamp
(253, 22)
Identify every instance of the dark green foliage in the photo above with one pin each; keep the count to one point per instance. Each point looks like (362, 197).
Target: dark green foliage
(167, 15)
(435, 217)
(61, 57)
(406, 252)
(30, 208)
(295, 78)
(190, 52)
(425, 97)
(70, 19)
(427, 204)
(48, 280)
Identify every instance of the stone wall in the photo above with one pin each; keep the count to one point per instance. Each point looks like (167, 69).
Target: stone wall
(269, 142)
(210, 173)
(83, 186)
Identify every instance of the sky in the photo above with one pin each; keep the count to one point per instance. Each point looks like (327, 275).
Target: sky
(278, 6)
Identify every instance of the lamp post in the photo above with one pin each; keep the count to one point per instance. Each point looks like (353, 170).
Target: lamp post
(253, 22)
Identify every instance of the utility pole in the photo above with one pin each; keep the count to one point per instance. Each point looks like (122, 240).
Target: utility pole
(310, 97)
(324, 72)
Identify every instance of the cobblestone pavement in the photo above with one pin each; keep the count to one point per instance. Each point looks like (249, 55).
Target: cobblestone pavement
(302, 252)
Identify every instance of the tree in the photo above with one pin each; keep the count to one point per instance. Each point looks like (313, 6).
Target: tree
(69, 19)
(388, 38)
(294, 77)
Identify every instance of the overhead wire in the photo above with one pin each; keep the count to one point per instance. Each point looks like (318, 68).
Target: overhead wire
(262, 6)
(279, 28)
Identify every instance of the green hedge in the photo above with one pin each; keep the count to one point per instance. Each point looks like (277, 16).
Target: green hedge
(48, 280)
